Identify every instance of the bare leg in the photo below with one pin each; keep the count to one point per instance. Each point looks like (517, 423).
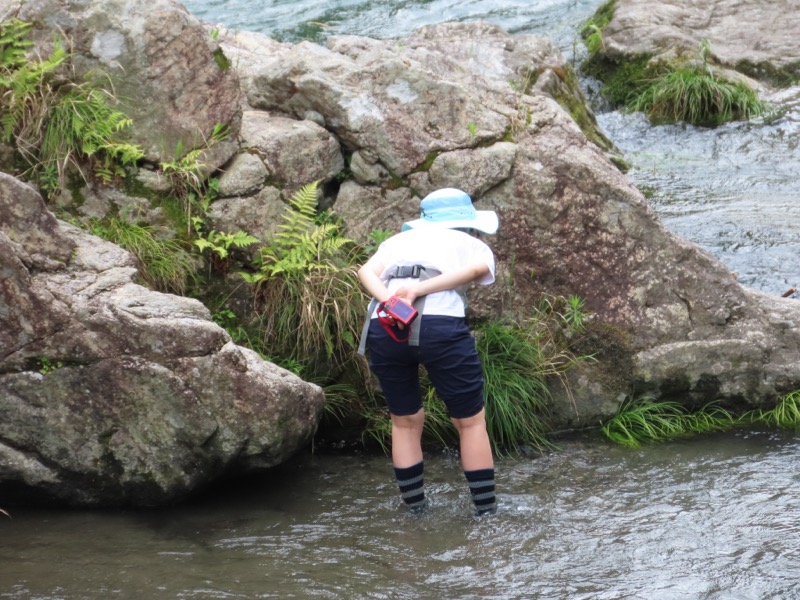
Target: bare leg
(476, 449)
(476, 458)
(407, 439)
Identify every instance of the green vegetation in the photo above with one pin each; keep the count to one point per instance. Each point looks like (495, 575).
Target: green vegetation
(188, 175)
(686, 89)
(592, 29)
(310, 300)
(56, 125)
(164, 264)
(647, 421)
(45, 365)
(520, 363)
(786, 415)
(692, 93)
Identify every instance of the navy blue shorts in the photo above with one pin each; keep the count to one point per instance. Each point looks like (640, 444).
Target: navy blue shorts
(446, 350)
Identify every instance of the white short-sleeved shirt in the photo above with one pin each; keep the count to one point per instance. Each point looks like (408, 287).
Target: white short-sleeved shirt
(445, 250)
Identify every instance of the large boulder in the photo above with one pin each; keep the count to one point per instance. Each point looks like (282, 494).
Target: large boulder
(158, 60)
(470, 106)
(756, 38)
(112, 394)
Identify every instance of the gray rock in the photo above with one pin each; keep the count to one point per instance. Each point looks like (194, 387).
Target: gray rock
(258, 215)
(113, 394)
(752, 37)
(295, 152)
(159, 61)
(245, 175)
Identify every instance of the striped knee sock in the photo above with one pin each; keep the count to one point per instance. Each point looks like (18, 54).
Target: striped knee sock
(410, 481)
(481, 486)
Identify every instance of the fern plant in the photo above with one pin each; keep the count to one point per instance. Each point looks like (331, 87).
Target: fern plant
(221, 242)
(301, 245)
(310, 301)
(55, 123)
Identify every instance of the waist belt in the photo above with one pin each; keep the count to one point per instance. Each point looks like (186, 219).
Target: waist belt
(404, 272)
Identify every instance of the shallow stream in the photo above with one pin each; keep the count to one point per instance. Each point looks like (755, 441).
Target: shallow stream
(715, 518)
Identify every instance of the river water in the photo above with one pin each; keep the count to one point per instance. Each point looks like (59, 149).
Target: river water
(712, 518)
(708, 518)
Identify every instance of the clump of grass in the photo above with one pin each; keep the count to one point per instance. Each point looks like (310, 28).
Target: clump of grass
(164, 264)
(646, 420)
(785, 415)
(516, 366)
(692, 93)
(520, 361)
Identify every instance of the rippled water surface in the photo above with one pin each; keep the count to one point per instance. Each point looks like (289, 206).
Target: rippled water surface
(714, 518)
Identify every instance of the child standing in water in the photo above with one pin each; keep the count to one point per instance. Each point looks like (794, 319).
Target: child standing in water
(428, 265)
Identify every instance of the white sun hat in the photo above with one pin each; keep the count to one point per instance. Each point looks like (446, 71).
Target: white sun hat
(451, 208)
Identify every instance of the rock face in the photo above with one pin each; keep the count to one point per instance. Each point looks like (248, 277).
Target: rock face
(157, 59)
(756, 38)
(436, 110)
(112, 394)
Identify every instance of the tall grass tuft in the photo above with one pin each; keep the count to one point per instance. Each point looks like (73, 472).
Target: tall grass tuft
(163, 263)
(647, 421)
(516, 366)
(785, 415)
(310, 300)
(692, 93)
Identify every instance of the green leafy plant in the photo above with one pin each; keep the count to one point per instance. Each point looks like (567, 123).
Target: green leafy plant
(45, 365)
(188, 177)
(310, 299)
(220, 243)
(376, 238)
(164, 264)
(56, 124)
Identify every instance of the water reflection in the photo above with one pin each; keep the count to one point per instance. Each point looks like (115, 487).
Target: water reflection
(706, 518)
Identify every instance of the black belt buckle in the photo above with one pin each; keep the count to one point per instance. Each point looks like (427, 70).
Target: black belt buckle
(408, 271)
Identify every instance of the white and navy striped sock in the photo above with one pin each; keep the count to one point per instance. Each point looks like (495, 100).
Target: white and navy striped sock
(481, 487)
(410, 480)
